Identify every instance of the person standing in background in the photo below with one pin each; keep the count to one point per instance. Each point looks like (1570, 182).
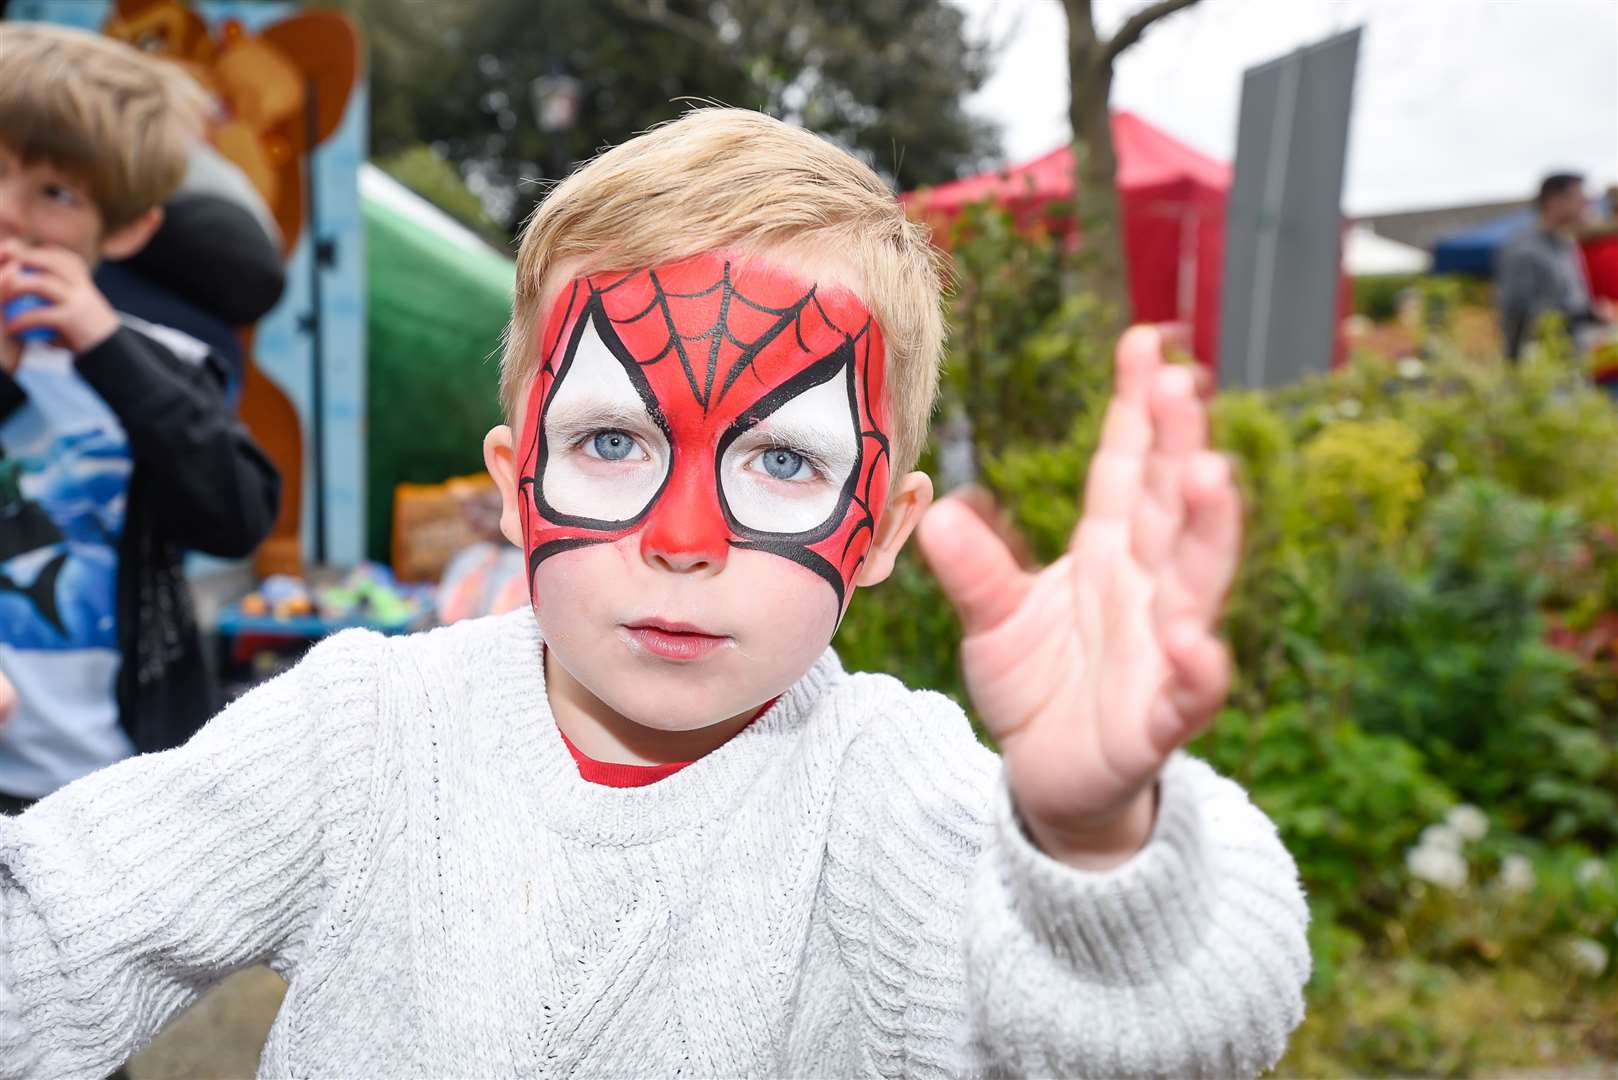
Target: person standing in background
(1541, 271)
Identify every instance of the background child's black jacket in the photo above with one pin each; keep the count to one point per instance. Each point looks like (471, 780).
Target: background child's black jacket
(199, 483)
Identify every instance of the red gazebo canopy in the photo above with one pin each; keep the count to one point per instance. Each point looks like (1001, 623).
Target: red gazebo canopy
(1173, 201)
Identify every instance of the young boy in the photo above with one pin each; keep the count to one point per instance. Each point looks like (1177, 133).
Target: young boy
(649, 826)
(117, 449)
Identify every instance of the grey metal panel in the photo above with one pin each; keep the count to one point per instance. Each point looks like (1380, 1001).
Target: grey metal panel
(1283, 224)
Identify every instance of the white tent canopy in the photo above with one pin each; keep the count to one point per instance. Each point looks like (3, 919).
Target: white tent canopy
(1364, 253)
(384, 189)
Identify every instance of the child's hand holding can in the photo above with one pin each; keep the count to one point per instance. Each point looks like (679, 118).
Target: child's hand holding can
(48, 291)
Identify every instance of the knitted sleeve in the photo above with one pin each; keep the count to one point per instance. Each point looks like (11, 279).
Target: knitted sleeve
(971, 952)
(125, 894)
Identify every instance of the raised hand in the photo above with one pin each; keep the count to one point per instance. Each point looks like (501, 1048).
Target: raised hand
(1090, 672)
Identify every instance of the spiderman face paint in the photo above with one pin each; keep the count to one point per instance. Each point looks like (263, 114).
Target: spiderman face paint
(708, 405)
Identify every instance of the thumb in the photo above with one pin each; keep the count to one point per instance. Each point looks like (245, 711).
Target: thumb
(976, 569)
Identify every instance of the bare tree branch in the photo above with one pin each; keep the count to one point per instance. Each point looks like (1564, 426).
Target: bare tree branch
(1136, 25)
(655, 14)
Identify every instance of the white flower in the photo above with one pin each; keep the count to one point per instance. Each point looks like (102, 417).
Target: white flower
(1440, 866)
(1410, 368)
(1587, 955)
(1443, 837)
(1468, 820)
(1590, 871)
(1446, 461)
(1349, 408)
(1516, 874)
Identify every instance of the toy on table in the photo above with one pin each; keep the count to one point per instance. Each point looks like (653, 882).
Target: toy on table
(369, 592)
(280, 596)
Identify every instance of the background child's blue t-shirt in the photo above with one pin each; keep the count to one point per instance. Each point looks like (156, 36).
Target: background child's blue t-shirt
(64, 482)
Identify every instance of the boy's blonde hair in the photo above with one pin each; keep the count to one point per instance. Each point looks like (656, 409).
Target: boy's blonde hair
(730, 179)
(104, 112)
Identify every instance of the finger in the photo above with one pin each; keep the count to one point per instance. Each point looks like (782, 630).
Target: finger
(50, 317)
(18, 278)
(1198, 683)
(1179, 420)
(1179, 429)
(1135, 364)
(17, 282)
(978, 573)
(52, 260)
(1113, 485)
(1210, 542)
(981, 501)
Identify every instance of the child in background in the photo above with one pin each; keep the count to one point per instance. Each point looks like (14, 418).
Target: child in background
(486, 577)
(648, 825)
(118, 451)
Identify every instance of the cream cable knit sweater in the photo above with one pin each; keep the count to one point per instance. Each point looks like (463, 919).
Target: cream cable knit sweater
(397, 828)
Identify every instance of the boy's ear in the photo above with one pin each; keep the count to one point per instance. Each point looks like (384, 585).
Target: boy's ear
(124, 242)
(908, 500)
(500, 458)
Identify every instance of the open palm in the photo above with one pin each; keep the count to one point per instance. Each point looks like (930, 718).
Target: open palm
(1090, 672)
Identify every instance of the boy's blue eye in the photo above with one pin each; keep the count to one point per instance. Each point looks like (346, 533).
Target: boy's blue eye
(612, 445)
(783, 464)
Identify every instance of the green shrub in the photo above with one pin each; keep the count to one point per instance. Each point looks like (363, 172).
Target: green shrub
(1348, 802)
(904, 627)
(1362, 476)
(1376, 296)
(1023, 361)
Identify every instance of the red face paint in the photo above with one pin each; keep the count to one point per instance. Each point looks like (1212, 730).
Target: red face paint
(703, 362)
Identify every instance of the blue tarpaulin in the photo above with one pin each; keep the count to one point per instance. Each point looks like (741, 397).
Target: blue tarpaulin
(1472, 250)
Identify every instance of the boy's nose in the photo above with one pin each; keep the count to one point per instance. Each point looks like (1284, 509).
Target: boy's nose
(686, 532)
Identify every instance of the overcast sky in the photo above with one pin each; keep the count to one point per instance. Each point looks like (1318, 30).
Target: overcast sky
(1455, 100)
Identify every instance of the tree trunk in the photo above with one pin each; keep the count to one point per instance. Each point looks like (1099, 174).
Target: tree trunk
(1102, 268)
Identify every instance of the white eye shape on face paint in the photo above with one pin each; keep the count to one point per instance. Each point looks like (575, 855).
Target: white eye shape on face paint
(594, 394)
(817, 424)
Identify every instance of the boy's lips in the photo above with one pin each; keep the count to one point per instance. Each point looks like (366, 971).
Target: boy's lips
(669, 639)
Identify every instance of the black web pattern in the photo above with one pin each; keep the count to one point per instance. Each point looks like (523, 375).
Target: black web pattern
(699, 353)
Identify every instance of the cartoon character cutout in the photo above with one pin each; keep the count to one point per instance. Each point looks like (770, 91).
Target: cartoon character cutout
(264, 83)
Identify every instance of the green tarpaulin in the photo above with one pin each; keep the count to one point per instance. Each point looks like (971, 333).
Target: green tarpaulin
(438, 300)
